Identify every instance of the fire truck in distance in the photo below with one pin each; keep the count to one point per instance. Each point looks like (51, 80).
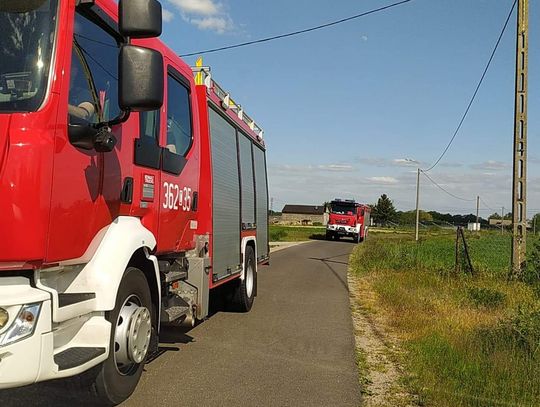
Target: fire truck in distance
(348, 218)
(130, 189)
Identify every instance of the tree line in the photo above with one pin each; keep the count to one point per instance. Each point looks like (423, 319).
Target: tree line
(385, 213)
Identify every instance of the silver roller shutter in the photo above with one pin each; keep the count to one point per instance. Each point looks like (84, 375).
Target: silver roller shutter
(226, 197)
(246, 174)
(262, 201)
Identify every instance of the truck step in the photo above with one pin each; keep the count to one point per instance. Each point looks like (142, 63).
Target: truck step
(67, 299)
(174, 313)
(73, 357)
(173, 276)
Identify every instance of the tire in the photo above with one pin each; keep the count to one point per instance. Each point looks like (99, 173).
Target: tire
(245, 290)
(115, 382)
(328, 236)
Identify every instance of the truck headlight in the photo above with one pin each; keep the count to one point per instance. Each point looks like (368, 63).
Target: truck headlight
(4, 318)
(23, 326)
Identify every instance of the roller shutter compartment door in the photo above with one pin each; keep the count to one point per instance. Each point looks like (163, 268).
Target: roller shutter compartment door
(226, 197)
(246, 175)
(261, 196)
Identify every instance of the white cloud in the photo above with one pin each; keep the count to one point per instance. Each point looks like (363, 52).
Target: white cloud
(490, 165)
(407, 162)
(316, 183)
(205, 15)
(385, 162)
(168, 16)
(217, 24)
(336, 167)
(364, 38)
(450, 164)
(384, 180)
(199, 7)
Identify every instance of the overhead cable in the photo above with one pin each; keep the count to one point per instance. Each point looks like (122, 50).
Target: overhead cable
(444, 190)
(294, 33)
(471, 101)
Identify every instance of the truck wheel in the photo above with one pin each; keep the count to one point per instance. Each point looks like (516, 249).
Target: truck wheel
(328, 236)
(132, 326)
(244, 292)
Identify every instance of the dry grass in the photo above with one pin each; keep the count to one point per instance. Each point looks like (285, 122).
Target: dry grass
(466, 341)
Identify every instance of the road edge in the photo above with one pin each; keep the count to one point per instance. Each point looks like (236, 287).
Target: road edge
(377, 354)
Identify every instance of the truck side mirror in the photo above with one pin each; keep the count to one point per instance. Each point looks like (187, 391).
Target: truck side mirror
(141, 79)
(140, 18)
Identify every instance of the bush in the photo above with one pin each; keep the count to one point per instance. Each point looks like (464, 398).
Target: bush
(524, 327)
(277, 235)
(531, 273)
(317, 224)
(485, 297)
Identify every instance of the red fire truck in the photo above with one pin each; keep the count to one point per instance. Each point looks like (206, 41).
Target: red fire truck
(129, 191)
(348, 218)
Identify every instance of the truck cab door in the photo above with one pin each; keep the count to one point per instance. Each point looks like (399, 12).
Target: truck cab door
(179, 165)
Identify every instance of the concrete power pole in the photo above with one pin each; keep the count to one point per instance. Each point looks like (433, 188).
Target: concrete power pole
(502, 221)
(417, 203)
(477, 210)
(519, 181)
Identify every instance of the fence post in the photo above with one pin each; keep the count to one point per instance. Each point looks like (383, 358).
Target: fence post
(466, 250)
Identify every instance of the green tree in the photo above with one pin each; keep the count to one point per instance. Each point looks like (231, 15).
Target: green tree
(384, 211)
(409, 217)
(494, 216)
(535, 222)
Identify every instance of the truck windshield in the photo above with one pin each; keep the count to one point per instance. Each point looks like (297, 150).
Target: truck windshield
(26, 40)
(342, 209)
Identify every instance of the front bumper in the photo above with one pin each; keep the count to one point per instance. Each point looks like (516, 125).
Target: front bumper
(342, 230)
(20, 361)
(31, 359)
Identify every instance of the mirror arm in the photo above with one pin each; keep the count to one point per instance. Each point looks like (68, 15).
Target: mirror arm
(104, 140)
(121, 118)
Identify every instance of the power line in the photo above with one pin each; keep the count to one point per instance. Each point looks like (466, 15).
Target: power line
(290, 34)
(476, 90)
(487, 206)
(447, 192)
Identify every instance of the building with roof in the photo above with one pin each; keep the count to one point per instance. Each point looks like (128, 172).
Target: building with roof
(304, 215)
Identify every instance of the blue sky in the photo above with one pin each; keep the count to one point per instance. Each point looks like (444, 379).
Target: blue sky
(343, 107)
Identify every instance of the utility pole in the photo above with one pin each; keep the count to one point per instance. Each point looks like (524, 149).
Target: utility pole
(477, 209)
(519, 180)
(417, 200)
(502, 221)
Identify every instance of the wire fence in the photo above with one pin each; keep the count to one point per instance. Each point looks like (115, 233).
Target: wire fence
(453, 249)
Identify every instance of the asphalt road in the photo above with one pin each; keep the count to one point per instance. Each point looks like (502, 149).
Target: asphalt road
(295, 347)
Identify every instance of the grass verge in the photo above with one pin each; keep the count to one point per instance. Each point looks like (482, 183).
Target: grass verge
(467, 341)
(280, 233)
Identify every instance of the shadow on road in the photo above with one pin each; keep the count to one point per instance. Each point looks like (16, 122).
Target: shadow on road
(317, 236)
(320, 236)
(327, 261)
(65, 392)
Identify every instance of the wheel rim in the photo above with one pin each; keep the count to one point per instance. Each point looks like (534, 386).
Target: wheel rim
(132, 335)
(249, 280)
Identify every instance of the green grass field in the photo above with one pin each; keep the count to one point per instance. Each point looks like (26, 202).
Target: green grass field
(468, 340)
(280, 233)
